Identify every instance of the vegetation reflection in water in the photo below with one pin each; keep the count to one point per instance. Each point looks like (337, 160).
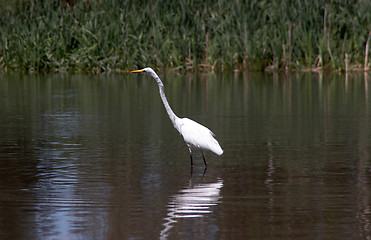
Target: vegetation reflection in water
(95, 157)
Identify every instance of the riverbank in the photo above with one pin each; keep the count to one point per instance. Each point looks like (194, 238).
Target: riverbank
(106, 35)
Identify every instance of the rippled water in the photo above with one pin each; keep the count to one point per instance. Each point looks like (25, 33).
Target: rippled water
(96, 157)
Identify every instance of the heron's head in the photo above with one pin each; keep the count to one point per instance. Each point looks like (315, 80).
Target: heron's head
(147, 70)
(150, 72)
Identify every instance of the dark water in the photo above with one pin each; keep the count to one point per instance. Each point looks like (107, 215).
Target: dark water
(96, 157)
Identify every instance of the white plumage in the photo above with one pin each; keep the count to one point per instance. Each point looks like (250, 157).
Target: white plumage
(194, 134)
(198, 136)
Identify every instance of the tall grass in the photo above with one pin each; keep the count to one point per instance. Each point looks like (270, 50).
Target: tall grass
(103, 35)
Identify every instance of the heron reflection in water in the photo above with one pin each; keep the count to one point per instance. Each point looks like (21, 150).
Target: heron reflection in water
(192, 202)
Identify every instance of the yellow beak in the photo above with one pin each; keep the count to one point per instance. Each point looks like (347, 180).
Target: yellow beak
(137, 71)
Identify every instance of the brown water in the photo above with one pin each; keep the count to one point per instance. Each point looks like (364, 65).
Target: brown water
(96, 157)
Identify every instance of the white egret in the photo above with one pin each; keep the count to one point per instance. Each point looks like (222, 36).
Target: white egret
(195, 135)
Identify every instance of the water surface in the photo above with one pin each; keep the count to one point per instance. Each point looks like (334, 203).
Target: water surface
(96, 157)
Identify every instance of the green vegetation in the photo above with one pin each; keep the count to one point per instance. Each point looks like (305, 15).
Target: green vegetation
(103, 35)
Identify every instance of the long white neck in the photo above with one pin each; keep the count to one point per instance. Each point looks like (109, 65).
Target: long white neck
(169, 111)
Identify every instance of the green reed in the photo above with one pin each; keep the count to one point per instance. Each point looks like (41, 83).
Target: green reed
(105, 35)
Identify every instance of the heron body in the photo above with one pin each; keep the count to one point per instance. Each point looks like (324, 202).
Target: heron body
(194, 134)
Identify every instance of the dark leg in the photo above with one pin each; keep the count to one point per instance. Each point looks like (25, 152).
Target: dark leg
(204, 158)
(203, 175)
(190, 154)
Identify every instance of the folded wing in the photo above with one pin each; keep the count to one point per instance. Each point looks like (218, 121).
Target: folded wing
(199, 136)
